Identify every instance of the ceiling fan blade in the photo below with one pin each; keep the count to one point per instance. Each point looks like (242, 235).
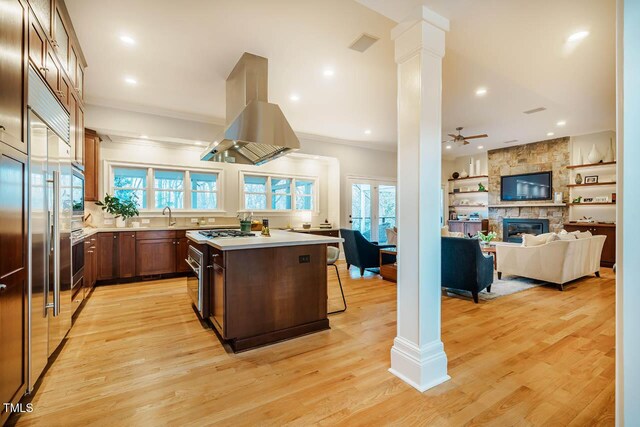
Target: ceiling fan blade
(448, 142)
(452, 135)
(484, 135)
(465, 142)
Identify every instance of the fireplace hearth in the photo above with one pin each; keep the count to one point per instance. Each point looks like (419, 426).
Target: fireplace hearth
(514, 228)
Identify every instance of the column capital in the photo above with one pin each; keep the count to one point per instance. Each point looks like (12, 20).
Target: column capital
(422, 30)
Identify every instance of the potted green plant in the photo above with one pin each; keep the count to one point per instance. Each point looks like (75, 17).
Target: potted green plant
(120, 209)
(486, 239)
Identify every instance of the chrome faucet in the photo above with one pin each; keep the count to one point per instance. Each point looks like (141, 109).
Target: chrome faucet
(171, 222)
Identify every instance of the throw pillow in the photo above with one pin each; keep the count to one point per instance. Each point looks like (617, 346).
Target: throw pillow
(584, 235)
(567, 236)
(529, 240)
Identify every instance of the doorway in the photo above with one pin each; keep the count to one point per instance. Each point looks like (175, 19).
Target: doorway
(372, 207)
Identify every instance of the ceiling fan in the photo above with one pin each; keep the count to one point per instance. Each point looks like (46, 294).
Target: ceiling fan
(461, 139)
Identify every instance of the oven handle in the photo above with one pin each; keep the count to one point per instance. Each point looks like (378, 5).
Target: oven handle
(193, 267)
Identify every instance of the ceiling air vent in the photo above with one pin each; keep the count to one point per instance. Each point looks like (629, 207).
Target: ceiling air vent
(535, 110)
(364, 42)
(510, 141)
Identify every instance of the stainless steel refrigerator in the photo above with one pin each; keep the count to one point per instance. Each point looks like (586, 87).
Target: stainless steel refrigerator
(50, 212)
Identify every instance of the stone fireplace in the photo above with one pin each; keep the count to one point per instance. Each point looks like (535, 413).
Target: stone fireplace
(514, 228)
(551, 155)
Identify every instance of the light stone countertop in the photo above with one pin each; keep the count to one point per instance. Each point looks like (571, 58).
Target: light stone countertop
(90, 231)
(278, 238)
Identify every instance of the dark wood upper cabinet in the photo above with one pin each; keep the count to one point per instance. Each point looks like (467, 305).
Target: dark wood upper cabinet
(127, 254)
(13, 275)
(13, 22)
(107, 256)
(91, 160)
(157, 256)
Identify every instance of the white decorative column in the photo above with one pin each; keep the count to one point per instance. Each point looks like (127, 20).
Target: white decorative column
(417, 355)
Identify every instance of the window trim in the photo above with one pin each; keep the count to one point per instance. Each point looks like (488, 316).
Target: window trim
(315, 196)
(151, 190)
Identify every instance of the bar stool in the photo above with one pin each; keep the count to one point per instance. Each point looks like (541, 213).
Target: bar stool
(332, 256)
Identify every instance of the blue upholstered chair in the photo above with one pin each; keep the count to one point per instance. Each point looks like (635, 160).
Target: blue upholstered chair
(465, 266)
(362, 253)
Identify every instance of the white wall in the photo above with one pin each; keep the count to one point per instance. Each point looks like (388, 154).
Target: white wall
(341, 158)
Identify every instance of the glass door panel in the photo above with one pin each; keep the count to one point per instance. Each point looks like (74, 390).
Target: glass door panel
(361, 208)
(373, 208)
(386, 210)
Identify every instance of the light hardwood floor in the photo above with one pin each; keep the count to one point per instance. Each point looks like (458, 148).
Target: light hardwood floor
(137, 355)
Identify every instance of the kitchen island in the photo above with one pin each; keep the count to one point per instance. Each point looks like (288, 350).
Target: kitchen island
(259, 290)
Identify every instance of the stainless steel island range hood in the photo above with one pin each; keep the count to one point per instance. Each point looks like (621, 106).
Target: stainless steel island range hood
(256, 131)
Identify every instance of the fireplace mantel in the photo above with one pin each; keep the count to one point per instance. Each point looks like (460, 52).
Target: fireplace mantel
(529, 205)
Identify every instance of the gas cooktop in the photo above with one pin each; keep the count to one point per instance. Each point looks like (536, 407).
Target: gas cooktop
(215, 234)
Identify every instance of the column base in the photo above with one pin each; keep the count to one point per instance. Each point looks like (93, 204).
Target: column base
(421, 367)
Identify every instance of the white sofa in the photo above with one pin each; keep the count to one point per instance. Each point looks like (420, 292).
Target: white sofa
(558, 262)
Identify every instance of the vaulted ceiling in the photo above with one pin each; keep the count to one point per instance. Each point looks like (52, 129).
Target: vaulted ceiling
(516, 49)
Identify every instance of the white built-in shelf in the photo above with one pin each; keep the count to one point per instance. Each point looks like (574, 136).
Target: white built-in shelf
(469, 192)
(593, 203)
(477, 177)
(529, 205)
(596, 184)
(591, 165)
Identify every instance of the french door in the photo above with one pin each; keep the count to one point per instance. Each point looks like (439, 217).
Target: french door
(373, 207)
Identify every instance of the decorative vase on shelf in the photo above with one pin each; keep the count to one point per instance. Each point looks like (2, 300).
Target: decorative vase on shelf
(608, 158)
(579, 159)
(464, 174)
(455, 175)
(478, 171)
(578, 179)
(594, 155)
(472, 171)
(120, 222)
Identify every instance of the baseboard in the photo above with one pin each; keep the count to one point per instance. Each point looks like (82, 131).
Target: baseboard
(421, 367)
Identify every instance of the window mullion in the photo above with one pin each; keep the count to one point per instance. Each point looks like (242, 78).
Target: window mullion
(269, 195)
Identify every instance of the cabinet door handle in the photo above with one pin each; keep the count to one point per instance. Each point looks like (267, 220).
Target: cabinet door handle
(209, 266)
(3, 287)
(215, 255)
(115, 237)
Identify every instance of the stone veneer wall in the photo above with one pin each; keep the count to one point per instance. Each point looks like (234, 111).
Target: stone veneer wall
(536, 157)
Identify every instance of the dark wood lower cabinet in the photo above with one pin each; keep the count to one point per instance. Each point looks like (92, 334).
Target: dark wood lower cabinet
(261, 296)
(608, 258)
(108, 245)
(13, 275)
(127, 254)
(182, 248)
(157, 256)
(469, 228)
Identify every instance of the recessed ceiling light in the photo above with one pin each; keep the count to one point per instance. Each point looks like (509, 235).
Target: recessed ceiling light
(198, 143)
(550, 133)
(294, 97)
(127, 40)
(481, 91)
(328, 72)
(577, 36)
(316, 157)
(130, 81)
(367, 132)
(215, 143)
(480, 147)
(448, 147)
(561, 123)
(144, 137)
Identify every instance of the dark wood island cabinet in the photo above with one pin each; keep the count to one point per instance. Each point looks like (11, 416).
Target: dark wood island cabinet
(261, 295)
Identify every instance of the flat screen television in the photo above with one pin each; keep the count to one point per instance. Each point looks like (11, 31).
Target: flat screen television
(529, 186)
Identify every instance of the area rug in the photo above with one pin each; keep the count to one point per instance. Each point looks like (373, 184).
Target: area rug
(507, 286)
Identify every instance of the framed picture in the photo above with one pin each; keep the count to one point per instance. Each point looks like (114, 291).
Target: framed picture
(588, 200)
(601, 199)
(593, 179)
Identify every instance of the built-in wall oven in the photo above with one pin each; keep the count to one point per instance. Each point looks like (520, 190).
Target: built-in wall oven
(195, 285)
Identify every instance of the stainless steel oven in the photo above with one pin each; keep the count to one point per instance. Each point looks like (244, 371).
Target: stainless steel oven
(195, 285)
